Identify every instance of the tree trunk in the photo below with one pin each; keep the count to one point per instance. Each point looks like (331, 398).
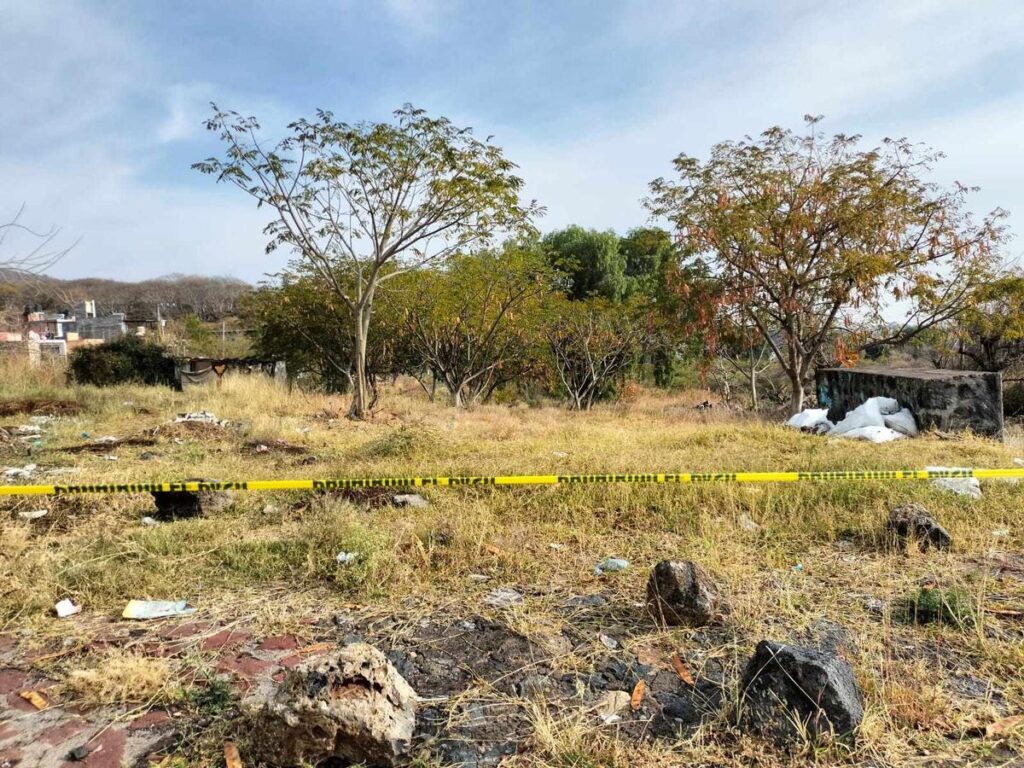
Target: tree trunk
(796, 398)
(360, 407)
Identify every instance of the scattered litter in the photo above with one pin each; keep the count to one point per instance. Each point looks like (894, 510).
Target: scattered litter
(479, 577)
(608, 641)
(261, 448)
(177, 441)
(556, 547)
(107, 440)
(1018, 462)
(611, 565)
(40, 419)
(810, 419)
(14, 473)
(203, 417)
(797, 568)
(346, 558)
(503, 597)
(560, 454)
(156, 609)
(110, 457)
(609, 705)
(1001, 532)
(66, 608)
(965, 486)
(902, 421)
(28, 429)
(877, 419)
(147, 455)
(873, 434)
(413, 500)
(148, 521)
(35, 699)
(270, 509)
(35, 514)
(747, 523)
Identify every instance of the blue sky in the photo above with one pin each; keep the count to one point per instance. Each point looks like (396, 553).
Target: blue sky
(102, 103)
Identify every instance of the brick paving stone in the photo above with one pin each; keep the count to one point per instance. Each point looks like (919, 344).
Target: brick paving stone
(279, 643)
(152, 719)
(60, 733)
(105, 752)
(226, 638)
(186, 630)
(244, 665)
(12, 680)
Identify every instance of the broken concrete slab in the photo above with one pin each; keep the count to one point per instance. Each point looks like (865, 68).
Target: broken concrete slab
(353, 705)
(939, 399)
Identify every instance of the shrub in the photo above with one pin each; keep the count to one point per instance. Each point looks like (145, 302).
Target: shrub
(128, 359)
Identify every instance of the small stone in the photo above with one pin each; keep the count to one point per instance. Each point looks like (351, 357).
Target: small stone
(586, 601)
(912, 521)
(78, 753)
(147, 455)
(682, 593)
(413, 500)
(608, 641)
(533, 686)
(786, 684)
(353, 706)
(747, 523)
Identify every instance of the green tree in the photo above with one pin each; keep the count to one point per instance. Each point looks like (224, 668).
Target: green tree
(591, 261)
(990, 332)
(648, 252)
(360, 204)
(474, 324)
(807, 233)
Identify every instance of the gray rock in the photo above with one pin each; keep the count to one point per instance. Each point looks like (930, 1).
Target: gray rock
(783, 684)
(413, 500)
(912, 521)
(682, 593)
(353, 706)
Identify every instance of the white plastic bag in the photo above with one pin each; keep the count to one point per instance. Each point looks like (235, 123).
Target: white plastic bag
(902, 421)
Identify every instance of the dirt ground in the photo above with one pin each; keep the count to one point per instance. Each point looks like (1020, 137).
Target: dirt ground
(530, 683)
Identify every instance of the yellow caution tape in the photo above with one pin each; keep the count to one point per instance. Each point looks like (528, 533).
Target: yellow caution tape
(447, 482)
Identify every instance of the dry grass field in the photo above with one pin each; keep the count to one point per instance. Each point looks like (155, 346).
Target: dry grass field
(791, 559)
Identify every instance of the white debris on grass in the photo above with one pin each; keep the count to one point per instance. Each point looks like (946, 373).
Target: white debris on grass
(877, 419)
(34, 514)
(203, 417)
(346, 558)
(965, 486)
(611, 565)
(66, 608)
(156, 609)
(503, 597)
(15, 473)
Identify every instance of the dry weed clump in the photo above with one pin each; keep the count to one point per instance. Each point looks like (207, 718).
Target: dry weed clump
(121, 677)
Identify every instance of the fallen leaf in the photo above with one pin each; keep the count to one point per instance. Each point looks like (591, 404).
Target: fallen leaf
(231, 757)
(34, 698)
(683, 671)
(1004, 726)
(493, 550)
(638, 695)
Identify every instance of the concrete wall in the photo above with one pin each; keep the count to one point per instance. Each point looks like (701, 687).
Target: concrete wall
(939, 399)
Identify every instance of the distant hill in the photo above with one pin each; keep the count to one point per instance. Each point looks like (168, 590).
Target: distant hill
(177, 295)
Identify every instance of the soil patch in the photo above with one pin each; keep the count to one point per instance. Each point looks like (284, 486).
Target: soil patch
(39, 407)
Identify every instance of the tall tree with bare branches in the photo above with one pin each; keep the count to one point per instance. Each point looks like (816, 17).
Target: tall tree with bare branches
(27, 252)
(361, 204)
(814, 234)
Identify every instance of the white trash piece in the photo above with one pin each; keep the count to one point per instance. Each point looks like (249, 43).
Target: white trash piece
(873, 434)
(34, 514)
(503, 597)
(66, 608)
(867, 414)
(346, 558)
(812, 419)
(965, 486)
(155, 609)
(902, 421)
